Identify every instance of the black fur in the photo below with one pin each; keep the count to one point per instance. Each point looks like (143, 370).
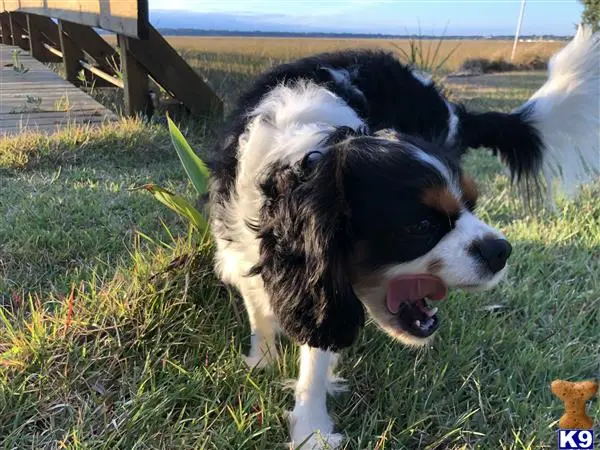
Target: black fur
(390, 97)
(511, 136)
(384, 184)
(315, 215)
(316, 212)
(305, 245)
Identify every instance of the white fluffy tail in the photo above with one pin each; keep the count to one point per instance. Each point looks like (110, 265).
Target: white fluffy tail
(566, 113)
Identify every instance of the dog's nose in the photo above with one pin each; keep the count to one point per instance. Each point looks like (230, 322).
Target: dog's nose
(494, 252)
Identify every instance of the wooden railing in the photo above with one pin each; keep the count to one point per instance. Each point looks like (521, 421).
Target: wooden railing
(142, 52)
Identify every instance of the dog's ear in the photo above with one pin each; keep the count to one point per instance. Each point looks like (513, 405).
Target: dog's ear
(304, 248)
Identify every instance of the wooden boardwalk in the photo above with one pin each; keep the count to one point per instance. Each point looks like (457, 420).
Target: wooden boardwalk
(38, 98)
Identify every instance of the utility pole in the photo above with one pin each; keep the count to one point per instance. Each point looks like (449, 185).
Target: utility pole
(518, 32)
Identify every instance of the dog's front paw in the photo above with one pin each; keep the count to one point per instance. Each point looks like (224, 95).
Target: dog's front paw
(319, 441)
(259, 361)
(313, 430)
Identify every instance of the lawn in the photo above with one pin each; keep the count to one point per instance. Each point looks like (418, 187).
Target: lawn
(146, 352)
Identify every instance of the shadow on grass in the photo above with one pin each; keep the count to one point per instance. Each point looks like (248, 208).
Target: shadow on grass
(68, 209)
(165, 354)
(483, 103)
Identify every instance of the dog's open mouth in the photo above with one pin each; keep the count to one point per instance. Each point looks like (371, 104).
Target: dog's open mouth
(408, 297)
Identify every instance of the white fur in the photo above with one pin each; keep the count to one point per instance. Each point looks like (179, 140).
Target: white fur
(459, 270)
(424, 78)
(343, 78)
(440, 167)
(290, 122)
(310, 423)
(566, 111)
(452, 125)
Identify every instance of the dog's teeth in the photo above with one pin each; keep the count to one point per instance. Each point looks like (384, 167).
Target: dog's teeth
(418, 323)
(432, 312)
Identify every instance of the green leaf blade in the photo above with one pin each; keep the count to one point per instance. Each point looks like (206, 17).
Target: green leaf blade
(180, 205)
(194, 167)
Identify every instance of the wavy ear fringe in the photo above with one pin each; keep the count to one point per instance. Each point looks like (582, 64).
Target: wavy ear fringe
(304, 233)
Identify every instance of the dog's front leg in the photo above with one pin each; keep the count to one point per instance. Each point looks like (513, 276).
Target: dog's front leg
(310, 424)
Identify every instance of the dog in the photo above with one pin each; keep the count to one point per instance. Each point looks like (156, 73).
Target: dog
(339, 192)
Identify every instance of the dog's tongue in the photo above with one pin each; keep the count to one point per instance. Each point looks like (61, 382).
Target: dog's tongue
(414, 287)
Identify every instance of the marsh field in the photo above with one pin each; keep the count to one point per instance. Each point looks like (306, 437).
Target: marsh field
(114, 333)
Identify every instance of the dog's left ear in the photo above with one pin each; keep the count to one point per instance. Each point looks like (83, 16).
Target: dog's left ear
(304, 249)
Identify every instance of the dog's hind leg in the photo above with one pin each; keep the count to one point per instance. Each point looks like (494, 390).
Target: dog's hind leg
(263, 325)
(310, 424)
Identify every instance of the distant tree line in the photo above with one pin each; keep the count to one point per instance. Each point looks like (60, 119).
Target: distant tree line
(198, 32)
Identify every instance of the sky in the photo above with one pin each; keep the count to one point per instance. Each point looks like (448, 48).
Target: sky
(395, 16)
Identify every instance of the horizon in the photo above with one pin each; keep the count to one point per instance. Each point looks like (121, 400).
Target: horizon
(432, 17)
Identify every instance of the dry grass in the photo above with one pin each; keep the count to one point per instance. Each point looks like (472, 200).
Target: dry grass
(230, 64)
(224, 48)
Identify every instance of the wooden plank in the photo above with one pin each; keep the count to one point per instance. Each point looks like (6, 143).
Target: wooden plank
(53, 50)
(17, 30)
(36, 42)
(126, 17)
(35, 80)
(48, 101)
(101, 74)
(47, 94)
(135, 78)
(170, 70)
(96, 112)
(47, 86)
(71, 55)
(104, 54)
(47, 27)
(5, 29)
(23, 102)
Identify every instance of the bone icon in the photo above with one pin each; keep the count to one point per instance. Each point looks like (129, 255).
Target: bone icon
(574, 395)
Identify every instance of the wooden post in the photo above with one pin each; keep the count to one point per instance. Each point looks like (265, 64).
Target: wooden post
(71, 56)
(135, 78)
(5, 24)
(46, 27)
(175, 75)
(17, 30)
(36, 43)
(92, 44)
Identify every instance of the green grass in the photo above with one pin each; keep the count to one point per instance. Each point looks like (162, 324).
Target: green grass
(147, 353)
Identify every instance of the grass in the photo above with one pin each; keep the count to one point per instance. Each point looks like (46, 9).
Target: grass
(233, 53)
(114, 332)
(229, 63)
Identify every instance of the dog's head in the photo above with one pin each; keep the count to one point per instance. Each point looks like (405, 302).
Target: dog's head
(378, 222)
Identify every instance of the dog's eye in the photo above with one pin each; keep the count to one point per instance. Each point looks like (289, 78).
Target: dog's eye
(311, 159)
(423, 227)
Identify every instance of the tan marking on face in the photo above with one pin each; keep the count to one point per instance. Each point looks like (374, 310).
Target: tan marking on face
(441, 199)
(435, 266)
(469, 190)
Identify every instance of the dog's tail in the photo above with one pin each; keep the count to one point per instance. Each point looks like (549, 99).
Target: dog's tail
(557, 131)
